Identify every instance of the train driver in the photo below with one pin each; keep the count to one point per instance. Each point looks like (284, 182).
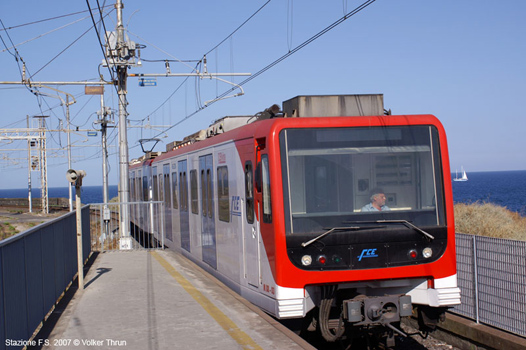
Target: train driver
(377, 201)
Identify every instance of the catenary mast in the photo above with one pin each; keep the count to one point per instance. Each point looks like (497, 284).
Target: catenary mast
(121, 60)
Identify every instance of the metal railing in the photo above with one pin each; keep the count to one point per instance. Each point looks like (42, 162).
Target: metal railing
(147, 226)
(492, 277)
(36, 267)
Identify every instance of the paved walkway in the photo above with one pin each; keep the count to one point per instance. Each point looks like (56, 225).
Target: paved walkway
(158, 300)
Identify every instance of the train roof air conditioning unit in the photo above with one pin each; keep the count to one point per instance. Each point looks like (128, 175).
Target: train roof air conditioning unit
(334, 106)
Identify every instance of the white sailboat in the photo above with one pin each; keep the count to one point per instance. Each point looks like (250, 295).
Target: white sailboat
(464, 175)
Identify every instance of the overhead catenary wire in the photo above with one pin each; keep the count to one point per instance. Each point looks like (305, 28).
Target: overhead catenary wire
(240, 26)
(18, 59)
(165, 52)
(199, 106)
(16, 55)
(194, 69)
(60, 53)
(280, 59)
(47, 19)
(49, 32)
(100, 42)
(12, 49)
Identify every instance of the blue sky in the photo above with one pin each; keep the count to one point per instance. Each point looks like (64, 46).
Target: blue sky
(462, 61)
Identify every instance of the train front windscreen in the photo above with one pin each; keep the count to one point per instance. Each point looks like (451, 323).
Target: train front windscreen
(361, 188)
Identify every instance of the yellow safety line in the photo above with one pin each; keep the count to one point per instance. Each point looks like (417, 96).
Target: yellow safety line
(226, 323)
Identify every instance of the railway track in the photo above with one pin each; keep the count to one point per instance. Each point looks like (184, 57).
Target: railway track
(410, 343)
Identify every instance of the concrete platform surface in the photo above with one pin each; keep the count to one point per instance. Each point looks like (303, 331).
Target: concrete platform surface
(159, 300)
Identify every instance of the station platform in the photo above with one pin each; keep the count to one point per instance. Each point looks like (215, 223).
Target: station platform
(159, 300)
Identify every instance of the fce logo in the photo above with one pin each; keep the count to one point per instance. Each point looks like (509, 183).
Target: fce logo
(368, 253)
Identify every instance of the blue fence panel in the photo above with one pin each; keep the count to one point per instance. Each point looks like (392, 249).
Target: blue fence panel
(48, 265)
(36, 266)
(86, 239)
(70, 250)
(34, 279)
(2, 312)
(14, 292)
(58, 256)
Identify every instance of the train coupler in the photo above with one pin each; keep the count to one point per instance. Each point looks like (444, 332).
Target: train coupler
(363, 310)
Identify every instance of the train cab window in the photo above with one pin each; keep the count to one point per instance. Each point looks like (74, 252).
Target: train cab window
(175, 204)
(193, 192)
(249, 193)
(265, 189)
(329, 175)
(223, 201)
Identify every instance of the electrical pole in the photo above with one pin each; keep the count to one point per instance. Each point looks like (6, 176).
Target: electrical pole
(122, 71)
(43, 162)
(120, 53)
(69, 150)
(104, 127)
(29, 197)
(104, 112)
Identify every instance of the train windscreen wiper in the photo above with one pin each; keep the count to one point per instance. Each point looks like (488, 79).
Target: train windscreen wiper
(408, 224)
(348, 228)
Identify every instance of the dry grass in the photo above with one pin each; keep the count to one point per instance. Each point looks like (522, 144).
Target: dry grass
(486, 219)
(7, 230)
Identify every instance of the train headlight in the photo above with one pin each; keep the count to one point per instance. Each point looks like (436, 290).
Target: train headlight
(427, 252)
(306, 260)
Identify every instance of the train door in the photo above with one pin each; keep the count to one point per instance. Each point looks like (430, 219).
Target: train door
(208, 236)
(167, 202)
(184, 215)
(251, 232)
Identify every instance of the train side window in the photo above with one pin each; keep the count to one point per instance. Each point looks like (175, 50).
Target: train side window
(249, 192)
(183, 191)
(155, 185)
(193, 192)
(203, 193)
(210, 207)
(139, 186)
(160, 190)
(174, 191)
(222, 194)
(265, 184)
(167, 189)
(145, 188)
(132, 188)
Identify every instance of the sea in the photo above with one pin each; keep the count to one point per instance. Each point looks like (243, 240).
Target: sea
(503, 188)
(88, 194)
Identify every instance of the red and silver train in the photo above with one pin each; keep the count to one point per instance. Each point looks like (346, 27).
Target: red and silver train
(273, 205)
